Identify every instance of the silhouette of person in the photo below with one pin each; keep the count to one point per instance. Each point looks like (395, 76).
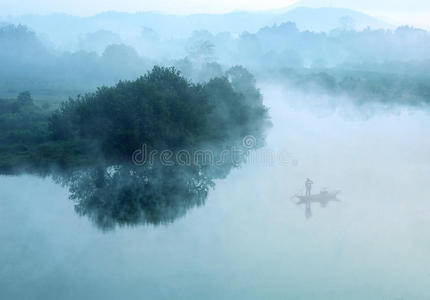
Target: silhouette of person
(308, 185)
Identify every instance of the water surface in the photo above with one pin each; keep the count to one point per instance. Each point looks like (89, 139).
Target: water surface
(250, 240)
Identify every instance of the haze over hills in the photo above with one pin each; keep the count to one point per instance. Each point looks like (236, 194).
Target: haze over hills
(64, 30)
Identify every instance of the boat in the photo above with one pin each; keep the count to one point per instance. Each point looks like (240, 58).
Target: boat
(323, 198)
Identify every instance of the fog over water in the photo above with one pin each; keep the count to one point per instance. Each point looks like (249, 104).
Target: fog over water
(250, 240)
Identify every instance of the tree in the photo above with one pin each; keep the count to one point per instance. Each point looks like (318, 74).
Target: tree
(24, 98)
(163, 110)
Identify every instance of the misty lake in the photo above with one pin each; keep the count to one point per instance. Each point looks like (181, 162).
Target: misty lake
(250, 240)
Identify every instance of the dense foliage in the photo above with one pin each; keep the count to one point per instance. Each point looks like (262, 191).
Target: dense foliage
(88, 144)
(163, 111)
(22, 125)
(361, 86)
(29, 64)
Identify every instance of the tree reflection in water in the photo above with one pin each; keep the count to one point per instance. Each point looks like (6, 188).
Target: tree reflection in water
(131, 195)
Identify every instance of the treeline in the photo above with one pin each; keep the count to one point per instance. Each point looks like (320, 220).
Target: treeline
(361, 86)
(371, 64)
(89, 143)
(28, 64)
(25, 139)
(286, 46)
(162, 110)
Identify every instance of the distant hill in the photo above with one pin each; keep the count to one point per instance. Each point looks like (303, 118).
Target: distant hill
(328, 18)
(64, 30)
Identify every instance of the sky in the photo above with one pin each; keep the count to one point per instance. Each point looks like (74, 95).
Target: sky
(412, 11)
(85, 7)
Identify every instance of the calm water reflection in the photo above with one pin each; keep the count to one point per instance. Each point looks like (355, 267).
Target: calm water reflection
(249, 240)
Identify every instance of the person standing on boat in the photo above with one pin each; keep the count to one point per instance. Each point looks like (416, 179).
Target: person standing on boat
(308, 185)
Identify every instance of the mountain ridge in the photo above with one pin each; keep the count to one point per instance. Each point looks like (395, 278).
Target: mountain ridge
(59, 25)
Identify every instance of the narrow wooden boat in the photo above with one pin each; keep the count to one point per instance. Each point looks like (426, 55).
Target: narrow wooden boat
(323, 198)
